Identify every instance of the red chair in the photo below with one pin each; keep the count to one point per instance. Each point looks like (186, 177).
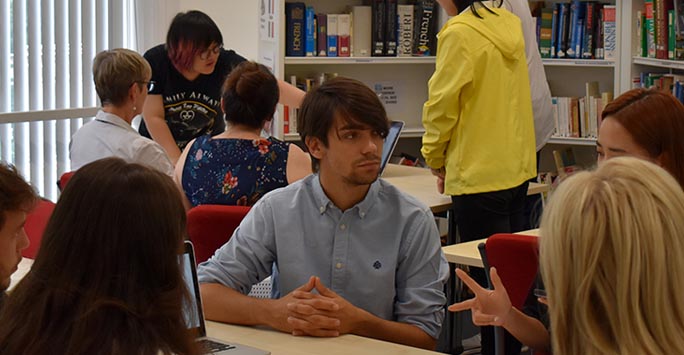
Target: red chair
(211, 226)
(64, 179)
(516, 259)
(36, 221)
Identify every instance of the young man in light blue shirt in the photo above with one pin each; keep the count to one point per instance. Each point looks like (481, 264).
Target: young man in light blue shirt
(354, 254)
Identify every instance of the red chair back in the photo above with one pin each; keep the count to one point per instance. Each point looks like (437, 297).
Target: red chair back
(211, 226)
(516, 259)
(36, 221)
(64, 179)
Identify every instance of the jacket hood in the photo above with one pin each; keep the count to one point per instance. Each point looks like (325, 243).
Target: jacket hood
(497, 28)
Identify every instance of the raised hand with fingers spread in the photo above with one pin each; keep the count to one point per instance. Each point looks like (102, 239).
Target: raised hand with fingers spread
(489, 307)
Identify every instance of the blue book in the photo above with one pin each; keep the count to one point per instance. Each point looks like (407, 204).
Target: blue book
(294, 23)
(310, 37)
(563, 21)
(554, 31)
(579, 33)
(576, 14)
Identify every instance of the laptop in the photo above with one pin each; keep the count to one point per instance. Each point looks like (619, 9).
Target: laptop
(194, 317)
(390, 143)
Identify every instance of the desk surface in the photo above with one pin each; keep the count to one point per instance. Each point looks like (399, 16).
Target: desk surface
(468, 254)
(421, 184)
(279, 343)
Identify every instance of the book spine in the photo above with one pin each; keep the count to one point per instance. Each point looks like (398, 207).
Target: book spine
(679, 29)
(322, 34)
(554, 31)
(640, 47)
(563, 25)
(391, 28)
(405, 37)
(332, 35)
(610, 32)
(294, 21)
(424, 28)
(343, 34)
(671, 38)
(661, 31)
(650, 28)
(545, 33)
(589, 38)
(573, 36)
(310, 26)
(361, 31)
(378, 28)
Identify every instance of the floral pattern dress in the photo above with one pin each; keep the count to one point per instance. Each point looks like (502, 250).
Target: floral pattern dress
(227, 171)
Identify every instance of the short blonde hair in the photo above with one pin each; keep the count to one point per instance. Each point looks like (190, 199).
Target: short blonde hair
(115, 70)
(612, 259)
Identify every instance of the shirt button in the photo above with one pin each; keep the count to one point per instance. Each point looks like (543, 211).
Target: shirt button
(322, 209)
(362, 214)
(338, 265)
(343, 227)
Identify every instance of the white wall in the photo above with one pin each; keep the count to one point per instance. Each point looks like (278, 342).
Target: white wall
(237, 19)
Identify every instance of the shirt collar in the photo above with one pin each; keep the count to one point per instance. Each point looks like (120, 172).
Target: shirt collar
(362, 208)
(113, 119)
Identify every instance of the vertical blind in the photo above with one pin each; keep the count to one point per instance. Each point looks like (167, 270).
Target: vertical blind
(46, 87)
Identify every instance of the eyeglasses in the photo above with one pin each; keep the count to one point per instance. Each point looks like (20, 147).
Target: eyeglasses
(149, 84)
(205, 55)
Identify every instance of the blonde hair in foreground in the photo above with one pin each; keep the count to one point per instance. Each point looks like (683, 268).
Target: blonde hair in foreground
(612, 259)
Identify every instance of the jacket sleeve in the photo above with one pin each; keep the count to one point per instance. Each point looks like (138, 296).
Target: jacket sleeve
(453, 73)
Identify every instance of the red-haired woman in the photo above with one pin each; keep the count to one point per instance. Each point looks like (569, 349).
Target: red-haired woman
(646, 124)
(188, 72)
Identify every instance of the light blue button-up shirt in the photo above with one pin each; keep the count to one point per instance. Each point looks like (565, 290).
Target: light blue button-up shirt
(382, 255)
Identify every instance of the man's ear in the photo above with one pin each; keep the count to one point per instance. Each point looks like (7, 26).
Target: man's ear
(315, 147)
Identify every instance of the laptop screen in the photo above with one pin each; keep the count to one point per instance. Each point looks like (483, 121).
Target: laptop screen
(390, 142)
(192, 310)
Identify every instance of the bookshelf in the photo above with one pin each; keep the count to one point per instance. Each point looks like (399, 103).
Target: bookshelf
(407, 76)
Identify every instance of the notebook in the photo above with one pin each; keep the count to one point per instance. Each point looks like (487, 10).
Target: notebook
(194, 317)
(390, 142)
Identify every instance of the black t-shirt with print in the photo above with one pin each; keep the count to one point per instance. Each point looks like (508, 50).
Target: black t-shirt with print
(191, 108)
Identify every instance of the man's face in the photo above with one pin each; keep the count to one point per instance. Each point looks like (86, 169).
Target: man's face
(13, 240)
(353, 153)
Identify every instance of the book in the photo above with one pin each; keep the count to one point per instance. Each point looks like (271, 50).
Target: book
(661, 32)
(424, 30)
(590, 30)
(343, 35)
(609, 32)
(650, 28)
(671, 35)
(378, 28)
(332, 35)
(294, 22)
(310, 32)
(322, 34)
(405, 36)
(545, 33)
(554, 30)
(679, 29)
(391, 28)
(361, 31)
(563, 26)
(574, 37)
(640, 47)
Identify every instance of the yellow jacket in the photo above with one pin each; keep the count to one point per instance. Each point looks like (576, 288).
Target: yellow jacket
(478, 118)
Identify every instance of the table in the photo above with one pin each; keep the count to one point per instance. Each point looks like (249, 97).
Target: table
(279, 343)
(468, 254)
(421, 184)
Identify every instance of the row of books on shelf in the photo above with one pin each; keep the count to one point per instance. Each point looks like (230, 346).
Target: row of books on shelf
(672, 83)
(383, 29)
(305, 84)
(576, 30)
(580, 117)
(660, 29)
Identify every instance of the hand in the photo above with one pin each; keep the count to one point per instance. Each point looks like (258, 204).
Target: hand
(440, 185)
(322, 314)
(438, 172)
(280, 312)
(489, 307)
